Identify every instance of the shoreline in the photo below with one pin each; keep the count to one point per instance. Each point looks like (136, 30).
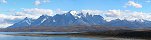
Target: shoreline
(128, 34)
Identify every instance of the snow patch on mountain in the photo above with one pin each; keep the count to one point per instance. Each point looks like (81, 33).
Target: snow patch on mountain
(54, 20)
(43, 20)
(74, 18)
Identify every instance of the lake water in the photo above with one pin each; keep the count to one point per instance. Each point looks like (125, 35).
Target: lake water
(3, 36)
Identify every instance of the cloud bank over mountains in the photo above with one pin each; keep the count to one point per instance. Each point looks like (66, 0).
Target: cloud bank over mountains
(8, 19)
(11, 18)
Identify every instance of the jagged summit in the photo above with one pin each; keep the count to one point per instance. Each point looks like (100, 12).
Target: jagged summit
(40, 20)
(25, 22)
(73, 18)
(26, 18)
(67, 19)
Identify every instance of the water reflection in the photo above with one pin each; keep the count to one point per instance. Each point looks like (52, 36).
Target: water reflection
(9, 37)
(57, 37)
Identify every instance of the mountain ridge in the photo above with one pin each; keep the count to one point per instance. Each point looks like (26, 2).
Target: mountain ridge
(74, 18)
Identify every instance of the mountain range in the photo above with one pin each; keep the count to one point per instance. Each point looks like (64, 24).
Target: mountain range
(73, 19)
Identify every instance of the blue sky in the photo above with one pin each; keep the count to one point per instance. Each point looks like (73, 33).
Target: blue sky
(12, 11)
(75, 5)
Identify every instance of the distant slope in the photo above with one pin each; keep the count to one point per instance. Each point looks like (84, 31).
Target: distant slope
(75, 19)
(67, 19)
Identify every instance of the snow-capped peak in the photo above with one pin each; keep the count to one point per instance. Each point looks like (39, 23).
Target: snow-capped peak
(140, 20)
(43, 18)
(27, 20)
(73, 13)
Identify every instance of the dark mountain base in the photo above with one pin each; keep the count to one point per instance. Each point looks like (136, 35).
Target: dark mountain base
(62, 29)
(123, 32)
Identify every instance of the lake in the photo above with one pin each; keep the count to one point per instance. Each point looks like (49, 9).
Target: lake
(4, 36)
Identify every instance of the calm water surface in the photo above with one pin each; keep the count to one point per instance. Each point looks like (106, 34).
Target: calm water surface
(3, 36)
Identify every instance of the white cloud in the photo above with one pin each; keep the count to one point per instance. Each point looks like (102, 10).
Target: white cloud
(31, 13)
(6, 20)
(39, 2)
(140, 15)
(129, 15)
(59, 11)
(3, 1)
(120, 14)
(94, 12)
(11, 17)
(23, 15)
(34, 12)
(5, 25)
(134, 4)
(113, 13)
(38, 11)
